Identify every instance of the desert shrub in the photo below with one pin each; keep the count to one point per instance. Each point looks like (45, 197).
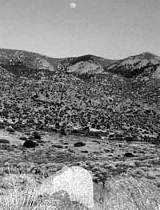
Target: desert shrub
(128, 193)
(121, 193)
(17, 192)
(16, 197)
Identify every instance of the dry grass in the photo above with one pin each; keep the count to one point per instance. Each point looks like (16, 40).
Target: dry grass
(128, 193)
(121, 193)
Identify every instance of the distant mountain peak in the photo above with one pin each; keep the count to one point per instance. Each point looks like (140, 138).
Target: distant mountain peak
(19, 61)
(148, 55)
(142, 64)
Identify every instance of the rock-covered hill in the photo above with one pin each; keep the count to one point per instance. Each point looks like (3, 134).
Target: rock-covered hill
(19, 60)
(143, 64)
(118, 99)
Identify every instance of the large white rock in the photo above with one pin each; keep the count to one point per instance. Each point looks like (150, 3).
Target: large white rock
(75, 180)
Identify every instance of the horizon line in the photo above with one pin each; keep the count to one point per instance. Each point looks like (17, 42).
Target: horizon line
(85, 54)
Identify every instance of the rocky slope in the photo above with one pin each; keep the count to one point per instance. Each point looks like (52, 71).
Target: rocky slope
(88, 95)
(145, 64)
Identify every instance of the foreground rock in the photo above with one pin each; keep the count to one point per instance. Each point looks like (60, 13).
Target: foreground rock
(76, 181)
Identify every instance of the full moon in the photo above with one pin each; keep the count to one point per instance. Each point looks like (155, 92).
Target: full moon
(73, 5)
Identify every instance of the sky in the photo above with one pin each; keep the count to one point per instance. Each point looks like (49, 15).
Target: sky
(62, 28)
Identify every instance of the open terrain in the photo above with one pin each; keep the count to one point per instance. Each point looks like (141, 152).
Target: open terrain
(102, 157)
(129, 164)
(101, 114)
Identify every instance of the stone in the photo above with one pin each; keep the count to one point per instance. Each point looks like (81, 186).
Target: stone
(10, 129)
(58, 146)
(4, 141)
(79, 144)
(23, 138)
(128, 154)
(75, 180)
(30, 144)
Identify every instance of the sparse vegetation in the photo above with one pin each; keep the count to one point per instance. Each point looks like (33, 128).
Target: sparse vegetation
(103, 104)
(118, 107)
(123, 193)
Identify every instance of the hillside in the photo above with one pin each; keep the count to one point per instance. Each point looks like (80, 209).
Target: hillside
(145, 64)
(88, 95)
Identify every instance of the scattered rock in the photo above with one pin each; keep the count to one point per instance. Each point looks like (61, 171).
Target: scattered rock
(23, 138)
(4, 141)
(10, 129)
(84, 151)
(96, 141)
(58, 146)
(30, 144)
(107, 150)
(79, 144)
(128, 154)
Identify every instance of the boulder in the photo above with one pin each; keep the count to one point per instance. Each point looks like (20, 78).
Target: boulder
(75, 180)
(30, 144)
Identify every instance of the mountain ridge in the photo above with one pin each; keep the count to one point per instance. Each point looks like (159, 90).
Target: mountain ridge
(80, 65)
